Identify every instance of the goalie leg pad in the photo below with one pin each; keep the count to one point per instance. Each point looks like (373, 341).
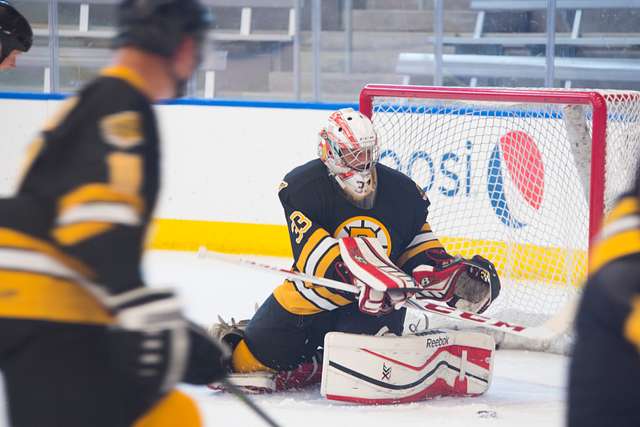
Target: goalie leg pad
(388, 369)
(308, 373)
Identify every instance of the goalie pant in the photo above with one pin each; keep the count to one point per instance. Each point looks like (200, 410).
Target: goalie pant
(282, 341)
(605, 367)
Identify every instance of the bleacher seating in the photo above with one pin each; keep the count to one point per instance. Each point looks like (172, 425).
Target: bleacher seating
(90, 57)
(504, 65)
(263, 51)
(244, 33)
(575, 38)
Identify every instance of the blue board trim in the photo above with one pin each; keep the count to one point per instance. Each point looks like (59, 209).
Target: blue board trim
(292, 105)
(29, 96)
(295, 105)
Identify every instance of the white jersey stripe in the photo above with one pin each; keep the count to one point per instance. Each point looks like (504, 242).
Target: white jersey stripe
(421, 238)
(317, 253)
(314, 297)
(117, 213)
(623, 224)
(36, 262)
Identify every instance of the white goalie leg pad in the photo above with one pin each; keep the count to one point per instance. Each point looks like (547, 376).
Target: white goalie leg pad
(389, 369)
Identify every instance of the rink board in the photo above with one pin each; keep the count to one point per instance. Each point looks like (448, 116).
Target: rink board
(222, 163)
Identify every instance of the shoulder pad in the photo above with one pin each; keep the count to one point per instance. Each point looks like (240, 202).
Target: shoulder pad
(123, 130)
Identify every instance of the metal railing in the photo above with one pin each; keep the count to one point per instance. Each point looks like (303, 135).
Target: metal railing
(306, 57)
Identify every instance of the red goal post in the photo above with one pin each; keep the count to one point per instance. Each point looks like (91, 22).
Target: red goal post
(521, 176)
(535, 96)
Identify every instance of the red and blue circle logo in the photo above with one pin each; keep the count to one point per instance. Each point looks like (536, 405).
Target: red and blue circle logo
(517, 188)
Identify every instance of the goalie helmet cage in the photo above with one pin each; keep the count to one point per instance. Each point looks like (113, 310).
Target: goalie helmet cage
(520, 176)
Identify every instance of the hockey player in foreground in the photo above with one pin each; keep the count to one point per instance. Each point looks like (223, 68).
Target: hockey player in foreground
(16, 35)
(357, 221)
(605, 368)
(84, 341)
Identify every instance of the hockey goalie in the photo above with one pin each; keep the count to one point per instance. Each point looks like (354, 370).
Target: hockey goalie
(354, 220)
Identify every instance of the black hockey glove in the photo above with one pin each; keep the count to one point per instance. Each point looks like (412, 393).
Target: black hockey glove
(482, 286)
(468, 284)
(153, 346)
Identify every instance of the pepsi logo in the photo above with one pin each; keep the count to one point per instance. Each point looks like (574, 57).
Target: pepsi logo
(515, 183)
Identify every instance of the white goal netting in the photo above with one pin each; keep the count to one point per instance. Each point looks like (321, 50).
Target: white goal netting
(509, 177)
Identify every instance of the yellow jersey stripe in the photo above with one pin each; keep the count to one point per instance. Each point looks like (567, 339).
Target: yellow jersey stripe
(293, 301)
(243, 360)
(98, 192)
(625, 206)
(309, 246)
(127, 74)
(321, 271)
(617, 246)
(175, 409)
(69, 235)
(326, 260)
(336, 299)
(632, 325)
(35, 296)
(418, 249)
(14, 239)
(426, 227)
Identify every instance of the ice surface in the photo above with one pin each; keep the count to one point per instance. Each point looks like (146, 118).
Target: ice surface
(527, 390)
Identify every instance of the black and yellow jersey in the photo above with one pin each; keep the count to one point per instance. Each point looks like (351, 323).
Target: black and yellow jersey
(318, 213)
(605, 368)
(78, 221)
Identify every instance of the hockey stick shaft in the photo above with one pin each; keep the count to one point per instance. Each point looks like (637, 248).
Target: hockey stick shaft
(228, 385)
(551, 328)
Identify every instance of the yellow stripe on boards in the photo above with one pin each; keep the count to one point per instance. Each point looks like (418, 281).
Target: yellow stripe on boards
(519, 261)
(227, 237)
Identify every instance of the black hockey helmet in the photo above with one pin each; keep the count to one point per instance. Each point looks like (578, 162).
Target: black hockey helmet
(15, 31)
(158, 26)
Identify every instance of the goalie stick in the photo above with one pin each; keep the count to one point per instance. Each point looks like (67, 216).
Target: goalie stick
(553, 327)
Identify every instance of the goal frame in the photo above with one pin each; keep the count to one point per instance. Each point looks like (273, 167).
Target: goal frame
(596, 100)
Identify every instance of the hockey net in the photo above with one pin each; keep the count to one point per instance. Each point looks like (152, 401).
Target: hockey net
(510, 177)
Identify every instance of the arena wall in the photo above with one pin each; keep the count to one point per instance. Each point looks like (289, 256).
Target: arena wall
(223, 162)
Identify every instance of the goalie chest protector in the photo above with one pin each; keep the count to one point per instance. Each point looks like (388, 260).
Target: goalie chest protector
(399, 211)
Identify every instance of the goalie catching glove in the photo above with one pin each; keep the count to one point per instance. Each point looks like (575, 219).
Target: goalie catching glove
(382, 284)
(154, 347)
(467, 284)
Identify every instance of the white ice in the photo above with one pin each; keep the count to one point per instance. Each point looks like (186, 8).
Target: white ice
(528, 388)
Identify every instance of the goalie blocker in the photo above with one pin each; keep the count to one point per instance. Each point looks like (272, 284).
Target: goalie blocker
(389, 369)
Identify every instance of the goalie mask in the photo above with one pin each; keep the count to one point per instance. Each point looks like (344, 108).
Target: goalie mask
(348, 146)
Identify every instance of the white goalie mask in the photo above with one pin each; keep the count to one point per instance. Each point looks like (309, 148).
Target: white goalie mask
(348, 146)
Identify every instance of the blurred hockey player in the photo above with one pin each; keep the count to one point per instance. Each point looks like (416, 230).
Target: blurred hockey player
(605, 367)
(342, 209)
(84, 341)
(16, 36)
